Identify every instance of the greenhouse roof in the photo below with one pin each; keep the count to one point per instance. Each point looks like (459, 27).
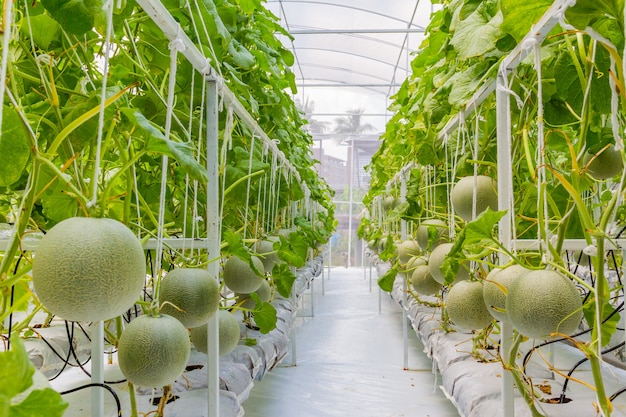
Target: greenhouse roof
(351, 54)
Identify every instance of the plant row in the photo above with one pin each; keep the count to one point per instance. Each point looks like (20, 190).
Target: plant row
(440, 222)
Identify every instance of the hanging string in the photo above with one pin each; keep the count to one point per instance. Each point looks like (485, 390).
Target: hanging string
(175, 46)
(543, 229)
(475, 157)
(248, 186)
(108, 7)
(8, 31)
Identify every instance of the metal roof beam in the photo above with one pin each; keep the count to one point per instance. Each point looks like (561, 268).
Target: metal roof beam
(352, 31)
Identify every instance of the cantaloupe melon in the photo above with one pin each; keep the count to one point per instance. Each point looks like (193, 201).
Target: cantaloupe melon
(466, 307)
(462, 196)
(494, 295)
(406, 249)
(264, 292)
(607, 164)
(422, 281)
(388, 202)
(89, 269)
(439, 230)
(153, 351)
(436, 259)
(542, 302)
(240, 277)
(265, 249)
(194, 291)
(413, 263)
(229, 334)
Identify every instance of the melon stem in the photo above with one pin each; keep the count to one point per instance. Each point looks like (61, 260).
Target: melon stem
(518, 376)
(133, 400)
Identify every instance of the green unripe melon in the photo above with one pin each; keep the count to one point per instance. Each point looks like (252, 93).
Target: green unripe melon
(462, 196)
(153, 351)
(406, 250)
(466, 307)
(264, 292)
(435, 227)
(89, 269)
(604, 165)
(240, 277)
(436, 259)
(388, 202)
(229, 334)
(194, 291)
(494, 294)
(266, 252)
(413, 263)
(423, 282)
(543, 302)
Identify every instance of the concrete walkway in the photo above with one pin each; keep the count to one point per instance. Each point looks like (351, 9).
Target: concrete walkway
(349, 360)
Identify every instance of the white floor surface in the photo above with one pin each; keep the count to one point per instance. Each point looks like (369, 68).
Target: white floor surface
(349, 359)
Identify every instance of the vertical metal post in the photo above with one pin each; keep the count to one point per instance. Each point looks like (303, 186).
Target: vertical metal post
(405, 289)
(97, 369)
(213, 241)
(505, 187)
(350, 205)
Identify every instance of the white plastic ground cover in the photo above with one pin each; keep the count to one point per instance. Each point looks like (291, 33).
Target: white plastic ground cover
(475, 388)
(238, 370)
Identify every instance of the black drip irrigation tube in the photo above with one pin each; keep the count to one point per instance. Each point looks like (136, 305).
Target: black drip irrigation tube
(106, 387)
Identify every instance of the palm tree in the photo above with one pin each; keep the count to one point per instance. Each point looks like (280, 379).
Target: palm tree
(308, 108)
(351, 124)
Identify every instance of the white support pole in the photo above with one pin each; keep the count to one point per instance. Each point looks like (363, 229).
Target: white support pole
(350, 206)
(505, 184)
(97, 368)
(405, 289)
(213, 242)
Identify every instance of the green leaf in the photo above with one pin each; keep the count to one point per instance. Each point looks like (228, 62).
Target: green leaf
(241, 56)
(283, 278)
(609, 327)
(265, 317)
(14, 147)
(386, 281)
(16, 372)
(518, 17)
(181, 151)
(56, 202)
(605, 16)
(482, 227)
(476, 35)
(40, 403)
(75, 16)
(293, 250)
(43, 30)
(235, 245)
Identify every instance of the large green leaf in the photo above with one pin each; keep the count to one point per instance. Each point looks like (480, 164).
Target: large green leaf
(477, 34)
(518, 17)
(386, 281)
(14, 147)
(156, 142)
(605, 16)
(283, 278)
(264, 316)
(43, 30)
(75, 16)
(40, 403)
(16, 372)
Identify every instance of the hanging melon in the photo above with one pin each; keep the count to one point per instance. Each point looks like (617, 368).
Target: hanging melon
(423, 282)
(544, 302)
(229, 334)
(240, 277)
(462, 196)
(466, 307)
(436, 259)
(153, 351)
(431, 230)
(495, 289)
(192, 290)
(89, 269)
